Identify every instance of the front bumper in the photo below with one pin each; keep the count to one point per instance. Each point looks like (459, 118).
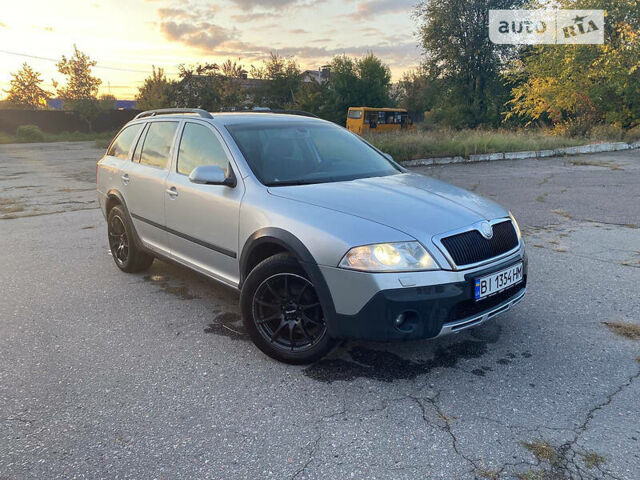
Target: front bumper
(432, 303)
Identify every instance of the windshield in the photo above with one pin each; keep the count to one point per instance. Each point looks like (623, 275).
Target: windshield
(299, 153)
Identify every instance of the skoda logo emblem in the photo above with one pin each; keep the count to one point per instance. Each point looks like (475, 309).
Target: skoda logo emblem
(486, 230)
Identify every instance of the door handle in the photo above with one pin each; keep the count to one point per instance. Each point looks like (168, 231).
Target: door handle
(125, 178)
(173, 192)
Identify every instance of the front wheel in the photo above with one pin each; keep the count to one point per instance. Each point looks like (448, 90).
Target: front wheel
(282, 312)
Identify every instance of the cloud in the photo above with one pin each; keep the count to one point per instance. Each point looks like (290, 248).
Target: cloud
(254, 17)
(373, 8)
(188, 12)
(395, 55)
(204, 35)
(176, 13)
(266, 4)
(193, 25)
(39, 27)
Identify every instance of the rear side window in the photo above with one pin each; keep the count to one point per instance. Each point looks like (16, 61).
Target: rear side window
(157, 144)
(200, 146)
(122, 144)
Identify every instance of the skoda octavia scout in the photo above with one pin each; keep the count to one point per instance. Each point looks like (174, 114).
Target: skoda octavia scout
(325, 236)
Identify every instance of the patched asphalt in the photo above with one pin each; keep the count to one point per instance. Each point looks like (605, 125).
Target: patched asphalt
(107, 375)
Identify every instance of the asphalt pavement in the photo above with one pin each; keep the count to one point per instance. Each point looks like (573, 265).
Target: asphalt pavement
(108, 375)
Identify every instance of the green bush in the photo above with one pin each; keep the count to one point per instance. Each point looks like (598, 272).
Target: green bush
(29, 133)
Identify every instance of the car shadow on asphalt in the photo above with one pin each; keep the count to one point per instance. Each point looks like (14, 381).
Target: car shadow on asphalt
(349, 360)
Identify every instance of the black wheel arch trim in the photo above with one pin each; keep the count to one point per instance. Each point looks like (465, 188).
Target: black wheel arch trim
(118, 196)
(291, 243)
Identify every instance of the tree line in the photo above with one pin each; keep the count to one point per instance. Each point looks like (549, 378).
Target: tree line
(463, 81)
(277, 83)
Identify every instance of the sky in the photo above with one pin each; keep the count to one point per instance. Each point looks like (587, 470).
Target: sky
(127, 37)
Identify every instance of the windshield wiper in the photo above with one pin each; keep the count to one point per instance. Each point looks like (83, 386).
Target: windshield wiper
(288, 183)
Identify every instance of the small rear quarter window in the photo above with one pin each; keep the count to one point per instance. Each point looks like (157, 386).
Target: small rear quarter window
(122, 143)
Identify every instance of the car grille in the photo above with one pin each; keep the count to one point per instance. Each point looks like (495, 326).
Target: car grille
(471, 247)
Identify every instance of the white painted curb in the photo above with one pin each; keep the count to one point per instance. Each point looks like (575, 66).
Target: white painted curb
(490, 157)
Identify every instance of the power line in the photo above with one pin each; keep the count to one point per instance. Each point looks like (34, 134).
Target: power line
(48, 59)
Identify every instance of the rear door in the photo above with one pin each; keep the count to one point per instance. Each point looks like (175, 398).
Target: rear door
(145, 182)
(202, 220)
(110, 167)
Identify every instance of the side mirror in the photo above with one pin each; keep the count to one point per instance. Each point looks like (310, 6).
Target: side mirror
(387, 156)
(211, 175)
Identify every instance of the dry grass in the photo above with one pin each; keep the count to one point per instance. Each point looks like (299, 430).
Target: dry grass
(584, 163)
(10, 205)
(625, 329)
(541, 450)
(529, 475)
(562, 213)
(488, 474)
(593, 460)
(442, 143)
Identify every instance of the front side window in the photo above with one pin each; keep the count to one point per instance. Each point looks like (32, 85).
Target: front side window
(157, 144)
(299, 153)
(122, 144)
(200, 146)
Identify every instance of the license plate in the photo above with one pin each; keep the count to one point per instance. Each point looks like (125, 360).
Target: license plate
(498, 281)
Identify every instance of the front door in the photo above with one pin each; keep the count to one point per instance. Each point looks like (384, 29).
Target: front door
(145, 176)
(202, 220)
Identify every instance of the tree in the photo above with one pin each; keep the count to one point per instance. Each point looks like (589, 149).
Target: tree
(458, 51)
(89, 109)
(199, 86)
(25, 89)
(356, 82)
(283, 80)
(575, 87)
(374, 79)
(418, 92)
(311, 97)
(156, 92)
(232, 69)
(80, 85)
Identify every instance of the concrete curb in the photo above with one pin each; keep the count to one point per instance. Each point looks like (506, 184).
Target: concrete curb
(490, 157)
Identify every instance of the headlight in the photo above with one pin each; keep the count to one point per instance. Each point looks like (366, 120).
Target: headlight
(515, 224)
(389, 257)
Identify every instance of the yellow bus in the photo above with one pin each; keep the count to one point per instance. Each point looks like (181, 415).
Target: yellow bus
(367, 119)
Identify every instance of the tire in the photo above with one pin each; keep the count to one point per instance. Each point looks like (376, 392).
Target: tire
(124, 250)
(282, 313)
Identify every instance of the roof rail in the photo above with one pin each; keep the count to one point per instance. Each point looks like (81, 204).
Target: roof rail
(172, 111)
(280, 111)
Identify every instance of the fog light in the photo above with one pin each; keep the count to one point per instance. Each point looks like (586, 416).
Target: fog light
(400, 320)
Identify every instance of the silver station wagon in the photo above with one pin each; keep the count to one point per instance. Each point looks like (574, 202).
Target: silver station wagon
(325, 236)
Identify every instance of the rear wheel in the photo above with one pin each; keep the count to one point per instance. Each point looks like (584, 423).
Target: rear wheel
(282, 312)
(128, 257)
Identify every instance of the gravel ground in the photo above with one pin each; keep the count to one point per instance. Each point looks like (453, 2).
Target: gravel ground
(107, 375)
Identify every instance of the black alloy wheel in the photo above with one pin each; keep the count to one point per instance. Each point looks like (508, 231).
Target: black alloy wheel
(287, 312)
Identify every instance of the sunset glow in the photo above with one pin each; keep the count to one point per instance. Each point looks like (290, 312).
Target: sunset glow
(127, 37)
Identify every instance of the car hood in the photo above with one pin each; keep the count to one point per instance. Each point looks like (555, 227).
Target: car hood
(414, 204)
